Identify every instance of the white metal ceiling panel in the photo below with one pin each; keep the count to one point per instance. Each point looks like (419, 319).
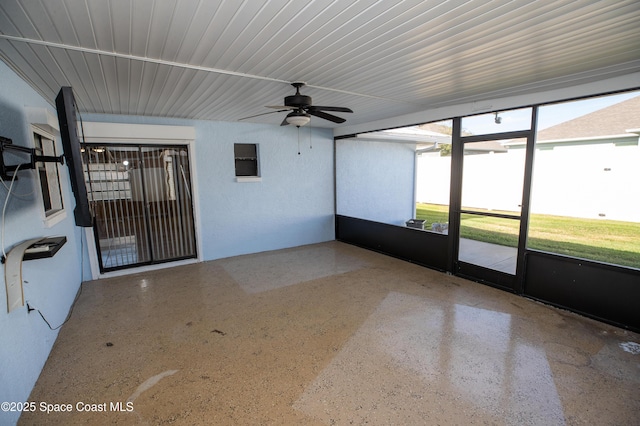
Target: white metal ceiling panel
(228, 59)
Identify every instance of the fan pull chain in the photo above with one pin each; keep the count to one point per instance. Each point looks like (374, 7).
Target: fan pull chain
(298, 140)
(310, 146)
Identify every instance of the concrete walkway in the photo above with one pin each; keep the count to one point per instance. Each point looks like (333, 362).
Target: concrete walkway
(493, 256)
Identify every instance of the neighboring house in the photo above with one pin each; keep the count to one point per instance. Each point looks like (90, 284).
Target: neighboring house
(592, 158)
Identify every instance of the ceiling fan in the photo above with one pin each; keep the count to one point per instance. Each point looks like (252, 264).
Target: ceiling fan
(301, 108)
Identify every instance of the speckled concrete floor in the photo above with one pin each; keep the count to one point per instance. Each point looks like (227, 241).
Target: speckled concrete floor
(330, 334)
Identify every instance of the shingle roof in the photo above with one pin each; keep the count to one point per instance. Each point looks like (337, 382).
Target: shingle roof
(612, 120)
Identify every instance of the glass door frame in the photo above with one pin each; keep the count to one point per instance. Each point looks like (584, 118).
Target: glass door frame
(149, 240)
(503, 280)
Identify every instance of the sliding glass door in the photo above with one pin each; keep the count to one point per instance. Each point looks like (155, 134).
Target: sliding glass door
(141, 200)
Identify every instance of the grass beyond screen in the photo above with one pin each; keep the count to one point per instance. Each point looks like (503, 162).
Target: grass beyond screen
(601, 240)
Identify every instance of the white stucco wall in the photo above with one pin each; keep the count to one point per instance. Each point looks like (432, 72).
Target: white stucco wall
(49, 284)
(291, 205)
(375, 180)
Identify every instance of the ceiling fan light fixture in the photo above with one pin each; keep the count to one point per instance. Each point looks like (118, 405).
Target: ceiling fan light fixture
(298, 118)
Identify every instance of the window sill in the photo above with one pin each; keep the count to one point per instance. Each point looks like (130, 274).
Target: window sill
(54, 218)
(248, 179)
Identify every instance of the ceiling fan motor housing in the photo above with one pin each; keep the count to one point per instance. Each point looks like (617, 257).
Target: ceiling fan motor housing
(297, 101)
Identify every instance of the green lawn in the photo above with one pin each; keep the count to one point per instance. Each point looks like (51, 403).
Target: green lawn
(596, 239)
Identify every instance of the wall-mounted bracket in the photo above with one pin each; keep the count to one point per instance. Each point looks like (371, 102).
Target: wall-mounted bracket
(6, 144)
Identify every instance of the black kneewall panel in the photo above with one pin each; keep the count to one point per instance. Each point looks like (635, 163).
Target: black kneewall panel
(421, 247)
(604, 292)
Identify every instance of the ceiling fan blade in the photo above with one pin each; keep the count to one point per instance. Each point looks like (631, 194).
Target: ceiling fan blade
(258, 115)
(282, 107)
(326, 116)
(328, 108)
(284, 122)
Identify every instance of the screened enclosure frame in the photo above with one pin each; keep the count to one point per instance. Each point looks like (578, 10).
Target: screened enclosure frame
(604, 291)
